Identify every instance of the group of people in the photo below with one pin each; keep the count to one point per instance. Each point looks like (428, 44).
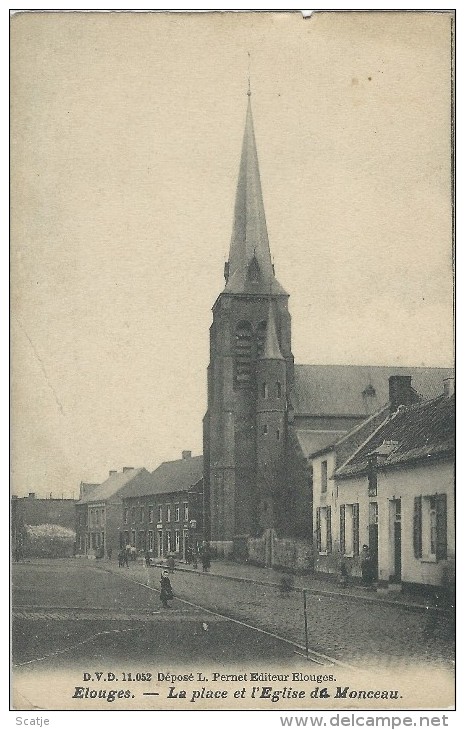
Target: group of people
(125, 555)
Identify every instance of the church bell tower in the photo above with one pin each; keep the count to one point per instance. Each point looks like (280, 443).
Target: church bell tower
(249, 375)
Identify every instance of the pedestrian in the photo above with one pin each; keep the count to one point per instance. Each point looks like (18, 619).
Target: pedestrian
(366, 564)
(171, 563)
(147, 559)
(205, 557)
(166, 591)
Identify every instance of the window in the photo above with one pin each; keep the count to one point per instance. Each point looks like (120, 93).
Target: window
(323, 529)
(102, 515)
(265, 430)
(133, 538)
(150, 513)
(160, 513)
(264, 390)
(176, 541)
(151, 541)
(349, 529)
(97, 517)
(133, 514)
(243, 355)
(125, 515)
(141, 514)
(168, 513)
(278, 389)
(160, 543)
(278, 434)
(176, 513)
(324, 477)
(168, 541)
(373, 513)
(186, 511)
(430, 527)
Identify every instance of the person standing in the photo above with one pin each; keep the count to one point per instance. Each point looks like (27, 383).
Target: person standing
(166, 591)
(206, 557)
(366, 565)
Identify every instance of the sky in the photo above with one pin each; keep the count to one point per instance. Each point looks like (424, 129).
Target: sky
(126, 139)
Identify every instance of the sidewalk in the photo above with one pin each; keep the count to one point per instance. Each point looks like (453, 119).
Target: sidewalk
(312, 583)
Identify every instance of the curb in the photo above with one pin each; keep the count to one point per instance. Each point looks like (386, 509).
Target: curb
(417, 607)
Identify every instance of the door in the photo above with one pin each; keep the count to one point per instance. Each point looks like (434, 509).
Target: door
(373, 537)
(397, 541)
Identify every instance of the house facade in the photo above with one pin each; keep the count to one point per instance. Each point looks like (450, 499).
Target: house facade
(164, 514)
(396, 495)
(98, 512)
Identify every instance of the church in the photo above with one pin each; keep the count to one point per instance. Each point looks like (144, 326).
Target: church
(265, 413)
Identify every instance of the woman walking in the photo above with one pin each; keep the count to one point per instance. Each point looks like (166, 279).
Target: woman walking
(166, 592)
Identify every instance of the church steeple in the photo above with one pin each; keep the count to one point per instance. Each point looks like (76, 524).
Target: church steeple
(249, 240)
(271, 350)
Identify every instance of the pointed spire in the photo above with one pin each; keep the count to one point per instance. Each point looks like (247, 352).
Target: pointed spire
(271, 350)
(250, 236)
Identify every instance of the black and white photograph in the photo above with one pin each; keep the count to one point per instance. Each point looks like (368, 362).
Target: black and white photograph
(232, 361)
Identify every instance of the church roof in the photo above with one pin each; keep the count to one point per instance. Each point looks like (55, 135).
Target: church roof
(271, 349)
(250, 267)
(113, 486)
(169, 477)
(356, 390)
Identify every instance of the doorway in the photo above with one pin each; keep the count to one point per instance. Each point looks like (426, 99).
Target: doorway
(373, 537)
(396, 507)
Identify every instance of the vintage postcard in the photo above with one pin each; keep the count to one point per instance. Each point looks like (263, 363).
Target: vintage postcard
(233, 400)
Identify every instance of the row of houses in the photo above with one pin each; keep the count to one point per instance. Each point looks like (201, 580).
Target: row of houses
(387, 483)
(159, 512)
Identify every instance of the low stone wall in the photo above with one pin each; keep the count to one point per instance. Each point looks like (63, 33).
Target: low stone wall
(285, 553)
(292, 555)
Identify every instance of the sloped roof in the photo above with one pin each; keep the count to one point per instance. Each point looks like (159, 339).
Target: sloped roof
(424, 430)
(356, 390)
(312, 442)
(112, 486)
(170, 476)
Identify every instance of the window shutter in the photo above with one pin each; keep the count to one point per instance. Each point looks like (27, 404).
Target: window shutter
(417, 527)
(318, 530)
(342, 528)
(329, 545)
(441, 526)
(356, 528)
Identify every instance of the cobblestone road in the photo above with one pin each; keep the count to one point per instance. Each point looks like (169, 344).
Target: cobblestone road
(355, 631)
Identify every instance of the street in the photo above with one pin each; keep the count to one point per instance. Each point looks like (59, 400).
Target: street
(74, 610)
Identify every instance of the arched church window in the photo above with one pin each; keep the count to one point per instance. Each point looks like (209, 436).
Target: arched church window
(278, 389)
(243, 355)
(264, 390)
(261, 334)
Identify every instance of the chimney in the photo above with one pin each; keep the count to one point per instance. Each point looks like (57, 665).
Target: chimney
(127, 468)
(112, 472)
(32, 495)
(401, 392)
(449, 387)
(186, 454)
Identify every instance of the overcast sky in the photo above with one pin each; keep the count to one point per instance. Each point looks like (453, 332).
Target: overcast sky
(126, 137)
